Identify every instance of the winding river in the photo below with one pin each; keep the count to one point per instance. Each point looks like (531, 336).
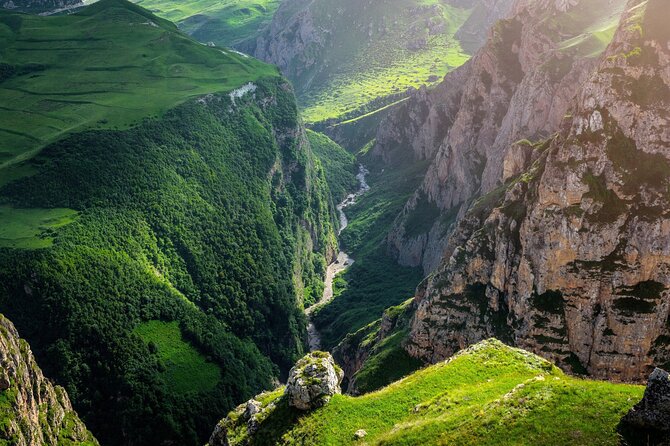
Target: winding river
(340, 264)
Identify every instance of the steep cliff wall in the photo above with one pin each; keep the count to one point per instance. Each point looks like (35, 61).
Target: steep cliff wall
(33, 412)
(519, 85)
(571, 258)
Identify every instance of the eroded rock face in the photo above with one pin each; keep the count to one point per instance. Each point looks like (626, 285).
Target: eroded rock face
(313, 381)
(519, 86)
(39, 413)
(570, 259)
(648, 423)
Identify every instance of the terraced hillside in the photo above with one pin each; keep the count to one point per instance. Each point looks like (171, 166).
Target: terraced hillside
(162, 219)
(489, 394)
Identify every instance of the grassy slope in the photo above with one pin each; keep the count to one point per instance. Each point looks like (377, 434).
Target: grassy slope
(224, 22)
(97, 70)
(489, 394)
(593, 30)
(360, 69)
(386, 360)
(108, 67)
(185, 369)
(338, 164)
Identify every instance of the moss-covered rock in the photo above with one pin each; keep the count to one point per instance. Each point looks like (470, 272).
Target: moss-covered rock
(313, 381)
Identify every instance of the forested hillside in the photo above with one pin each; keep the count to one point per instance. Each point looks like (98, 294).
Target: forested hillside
(156, 257)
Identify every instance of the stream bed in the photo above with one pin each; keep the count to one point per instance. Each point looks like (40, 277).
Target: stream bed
(341, 263)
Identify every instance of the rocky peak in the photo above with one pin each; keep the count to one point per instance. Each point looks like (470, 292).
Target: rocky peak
(33, 411)
(570, 258)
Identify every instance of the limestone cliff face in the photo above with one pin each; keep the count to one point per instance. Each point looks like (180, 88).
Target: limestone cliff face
(571, 257)
(33, 412)
(519, 85)
(293, 41)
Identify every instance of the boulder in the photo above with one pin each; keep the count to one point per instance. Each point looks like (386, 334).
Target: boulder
(360, 434)
(313, 381)
(648, 423)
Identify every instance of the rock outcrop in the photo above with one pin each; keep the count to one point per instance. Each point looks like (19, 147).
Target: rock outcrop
(648, 423)
(33, 412)
(311, 384)
(569, 258)
(519, 85)
(313, 381)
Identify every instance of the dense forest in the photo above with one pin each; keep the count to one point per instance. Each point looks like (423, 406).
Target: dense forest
(215, 216)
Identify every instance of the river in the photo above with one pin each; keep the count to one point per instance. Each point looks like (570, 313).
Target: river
(340, 264)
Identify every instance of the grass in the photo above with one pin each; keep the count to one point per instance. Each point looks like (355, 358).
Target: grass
(388, 363)
(97, 69)
(490, 394)
(364, 63)
(186, 370)
(224, 22)
(30, 228)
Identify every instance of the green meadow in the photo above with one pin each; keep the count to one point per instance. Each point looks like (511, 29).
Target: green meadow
(107, 67)
(185, 369)
(224, 22)
(361, 69)
(30, 228)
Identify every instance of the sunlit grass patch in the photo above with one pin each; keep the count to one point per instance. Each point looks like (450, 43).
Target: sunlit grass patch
(30, 228)
(186, 370)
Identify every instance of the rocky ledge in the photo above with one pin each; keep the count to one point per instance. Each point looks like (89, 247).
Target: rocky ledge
(648, 423)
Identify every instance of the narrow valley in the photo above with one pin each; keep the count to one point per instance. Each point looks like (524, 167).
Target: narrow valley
(318, 222)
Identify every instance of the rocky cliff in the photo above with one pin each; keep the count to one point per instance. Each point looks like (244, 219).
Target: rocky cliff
(519, 85)
(33, 412)
(570, 256)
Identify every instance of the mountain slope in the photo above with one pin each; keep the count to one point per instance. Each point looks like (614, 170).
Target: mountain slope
(157, 250)
(489, 394)
(223, 22)
(352, 57)
(33, 412)
(108, 67)
(570, 257)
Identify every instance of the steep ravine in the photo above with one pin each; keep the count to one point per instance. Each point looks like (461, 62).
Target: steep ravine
(341, 263)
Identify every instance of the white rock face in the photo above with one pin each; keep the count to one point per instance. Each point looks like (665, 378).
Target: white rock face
(313, 381)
